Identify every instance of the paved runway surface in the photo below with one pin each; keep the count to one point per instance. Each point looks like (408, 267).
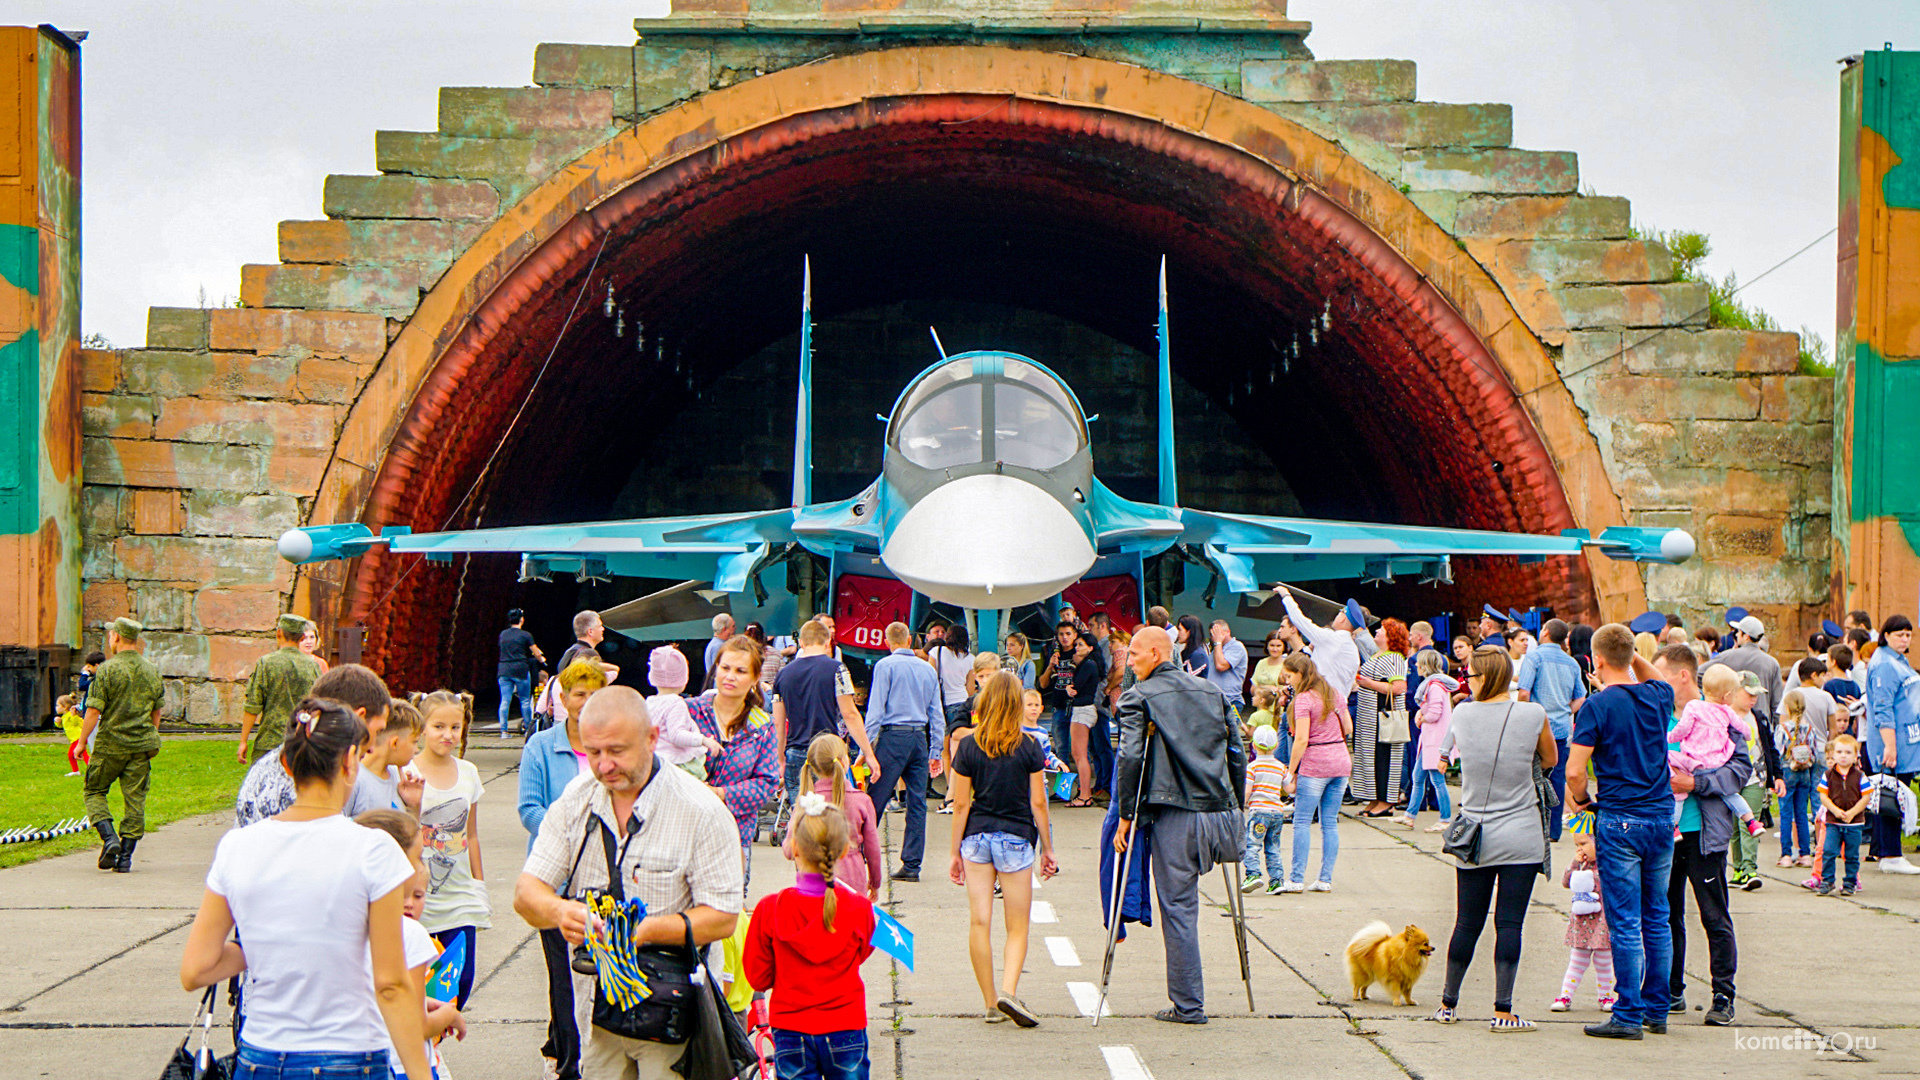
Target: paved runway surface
(91, 989)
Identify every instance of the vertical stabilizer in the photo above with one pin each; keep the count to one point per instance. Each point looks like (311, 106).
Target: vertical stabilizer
(1169, 483)
(803, 404)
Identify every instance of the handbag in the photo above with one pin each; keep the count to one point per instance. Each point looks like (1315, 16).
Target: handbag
(1395, 726)
(199, 1063)
(667, 1014)
(1462, 838)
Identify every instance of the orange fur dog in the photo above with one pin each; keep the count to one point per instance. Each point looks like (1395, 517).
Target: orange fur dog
(1396, 961)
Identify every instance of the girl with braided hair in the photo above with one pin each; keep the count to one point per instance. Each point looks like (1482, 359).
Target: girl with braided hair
(804, 948)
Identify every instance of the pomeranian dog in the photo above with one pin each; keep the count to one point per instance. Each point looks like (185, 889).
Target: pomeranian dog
(1396, 961)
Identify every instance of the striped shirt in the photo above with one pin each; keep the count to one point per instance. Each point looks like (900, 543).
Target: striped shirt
(1266, 784)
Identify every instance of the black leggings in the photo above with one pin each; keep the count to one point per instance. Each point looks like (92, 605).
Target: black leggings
(1475, 887)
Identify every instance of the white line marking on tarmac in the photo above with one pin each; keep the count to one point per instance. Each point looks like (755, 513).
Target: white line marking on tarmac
(1124, 1063)
(1085, 996)
(1042, 912)
(1061, 949)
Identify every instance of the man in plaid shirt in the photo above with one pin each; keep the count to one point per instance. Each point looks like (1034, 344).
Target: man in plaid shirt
(676, 850)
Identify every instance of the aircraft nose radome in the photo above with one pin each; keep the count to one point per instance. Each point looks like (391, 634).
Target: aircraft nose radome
(988, 541)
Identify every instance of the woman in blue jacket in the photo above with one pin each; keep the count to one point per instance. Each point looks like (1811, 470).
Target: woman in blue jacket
(1893, 719)
(548, 763)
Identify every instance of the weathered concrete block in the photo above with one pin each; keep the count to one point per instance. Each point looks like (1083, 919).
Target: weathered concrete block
(1683, 352)
(1584, 262)
(374, 240)
(178, 656)
(142, 463)
(117, 416)
(1745, 536)
(232, 658)
(1403, 124)
(1814, 539)
(1647, 443)
(215, 562)
(105, 601)
(350, 335)
(1498, 170)
(1763, 443)
(1327, 80)
(331, 381)
(226, 513)
(153, 511)
(248, 423)
(296, 470)
(420, 153)
(176, 328)
(409, 197)
(99, 370)
(641, 79)
(1586, 307)
(1540, 216)
(392, 291)
(250, 608)
(100, 511)
(1645, 488)
(161, 607)
(521, 112)
(1639, 396)
(215, 375)
(1806, 398)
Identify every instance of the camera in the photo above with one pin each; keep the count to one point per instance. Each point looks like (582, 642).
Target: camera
(582, 962)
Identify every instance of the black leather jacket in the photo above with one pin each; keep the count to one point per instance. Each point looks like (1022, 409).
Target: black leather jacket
(1194, 761)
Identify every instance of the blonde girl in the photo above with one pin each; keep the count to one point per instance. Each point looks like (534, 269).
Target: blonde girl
(825, 771)
(999, 815)
(1018, 658)
(456, 904)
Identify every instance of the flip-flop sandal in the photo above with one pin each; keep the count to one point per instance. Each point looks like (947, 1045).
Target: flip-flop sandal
(1081, 803)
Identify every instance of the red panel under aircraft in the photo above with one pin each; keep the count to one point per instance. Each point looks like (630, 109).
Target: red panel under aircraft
(863, 606)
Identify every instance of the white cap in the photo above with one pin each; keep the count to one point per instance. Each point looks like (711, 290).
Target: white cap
(1265, 737)
(1751, 627)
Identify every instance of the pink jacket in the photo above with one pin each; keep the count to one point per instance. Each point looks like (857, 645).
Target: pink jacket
(1435, 715)
(864, 866)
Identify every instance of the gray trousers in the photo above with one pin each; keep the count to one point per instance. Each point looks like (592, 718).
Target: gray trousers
(1186, 845)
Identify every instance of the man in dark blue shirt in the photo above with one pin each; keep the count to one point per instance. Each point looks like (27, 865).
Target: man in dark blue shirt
(1622, 730)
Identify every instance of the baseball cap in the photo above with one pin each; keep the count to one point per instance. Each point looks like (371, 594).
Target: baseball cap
(1265, 737)
(1750, 682)
(666, 668)
(1735, 614)
(1648, 622)
(1751, 627)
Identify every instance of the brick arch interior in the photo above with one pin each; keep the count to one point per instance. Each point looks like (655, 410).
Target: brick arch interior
(1395, 408)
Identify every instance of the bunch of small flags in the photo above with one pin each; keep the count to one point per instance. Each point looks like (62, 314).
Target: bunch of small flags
(610, 931)
(25, 836)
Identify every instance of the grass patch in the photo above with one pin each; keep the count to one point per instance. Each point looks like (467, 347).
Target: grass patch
(189, 777)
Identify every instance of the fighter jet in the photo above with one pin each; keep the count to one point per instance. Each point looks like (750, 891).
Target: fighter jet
(987, 501)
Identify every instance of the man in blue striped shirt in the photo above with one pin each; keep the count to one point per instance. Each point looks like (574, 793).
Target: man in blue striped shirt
(908, 728)
(1553, 680)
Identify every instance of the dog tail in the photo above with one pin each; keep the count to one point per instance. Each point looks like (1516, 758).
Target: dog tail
(1370, 935)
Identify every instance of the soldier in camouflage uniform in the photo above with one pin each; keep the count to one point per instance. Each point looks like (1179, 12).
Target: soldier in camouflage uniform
(123, 705)
(280, 681)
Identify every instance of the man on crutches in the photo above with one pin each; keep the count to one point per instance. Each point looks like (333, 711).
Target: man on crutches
(1184, 784)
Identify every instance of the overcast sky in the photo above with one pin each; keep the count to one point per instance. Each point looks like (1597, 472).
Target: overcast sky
(208, 121)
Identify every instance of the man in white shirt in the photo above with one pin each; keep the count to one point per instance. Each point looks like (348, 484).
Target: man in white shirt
(1335, 655)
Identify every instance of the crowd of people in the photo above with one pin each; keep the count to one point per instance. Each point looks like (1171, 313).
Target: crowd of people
(355, 871)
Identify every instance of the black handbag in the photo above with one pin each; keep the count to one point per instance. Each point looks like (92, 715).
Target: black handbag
(668, 1015)
(199, 1063)
(1462, 838)
(720, 1048)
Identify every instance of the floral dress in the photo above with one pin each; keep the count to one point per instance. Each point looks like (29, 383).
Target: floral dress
(1586, 931)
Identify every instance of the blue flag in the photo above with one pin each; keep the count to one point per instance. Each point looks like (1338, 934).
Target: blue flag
(443, 978)
(892, 938)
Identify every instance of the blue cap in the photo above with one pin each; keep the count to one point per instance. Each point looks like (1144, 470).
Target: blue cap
(1832, 629)
(1354, 615)
(1648, 622)
(1513, 614)
(1494, 613)
(1735, 614)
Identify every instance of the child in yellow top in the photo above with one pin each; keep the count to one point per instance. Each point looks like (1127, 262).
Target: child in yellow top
(70, 723)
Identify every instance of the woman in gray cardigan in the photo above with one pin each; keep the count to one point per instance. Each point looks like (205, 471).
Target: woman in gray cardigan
(1497, 741)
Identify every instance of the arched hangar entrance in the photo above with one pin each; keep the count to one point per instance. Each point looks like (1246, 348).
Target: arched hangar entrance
(1303, 294)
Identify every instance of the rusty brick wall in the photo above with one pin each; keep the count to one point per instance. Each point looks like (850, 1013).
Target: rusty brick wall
(231, 424)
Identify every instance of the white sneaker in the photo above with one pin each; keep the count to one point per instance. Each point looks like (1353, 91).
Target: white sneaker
(1327, 886)
(1898, 865)
(1292, 886)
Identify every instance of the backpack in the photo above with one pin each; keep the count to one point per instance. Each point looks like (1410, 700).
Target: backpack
(1799, 755)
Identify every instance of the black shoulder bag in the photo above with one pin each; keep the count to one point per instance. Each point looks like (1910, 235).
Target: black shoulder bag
(1462, 838)
(670, 1011)
(199, 1063)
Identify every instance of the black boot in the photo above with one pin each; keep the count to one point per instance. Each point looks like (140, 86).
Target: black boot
(125, 865)
(109, 844)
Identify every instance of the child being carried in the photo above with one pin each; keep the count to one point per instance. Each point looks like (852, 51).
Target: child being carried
(1704, 739)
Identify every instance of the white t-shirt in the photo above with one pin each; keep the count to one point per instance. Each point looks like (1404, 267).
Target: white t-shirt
(446, 824)
(421, 949)
(953, 668)
(299, 892)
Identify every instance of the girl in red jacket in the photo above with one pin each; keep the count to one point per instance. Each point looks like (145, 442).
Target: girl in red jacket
(804, 947)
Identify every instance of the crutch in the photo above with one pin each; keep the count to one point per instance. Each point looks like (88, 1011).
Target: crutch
(1237, 905)
(1122, 860)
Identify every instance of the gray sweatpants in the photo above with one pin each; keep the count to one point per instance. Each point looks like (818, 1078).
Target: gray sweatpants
(1186, 845)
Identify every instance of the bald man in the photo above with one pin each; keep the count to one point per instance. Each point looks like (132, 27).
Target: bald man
(651, 817)
(1194, 769)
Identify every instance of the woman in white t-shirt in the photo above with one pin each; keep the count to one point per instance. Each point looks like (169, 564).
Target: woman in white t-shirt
(310, 893)
(952, 660)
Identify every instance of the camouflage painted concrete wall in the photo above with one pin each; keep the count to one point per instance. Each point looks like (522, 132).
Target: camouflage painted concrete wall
(39, 337)
(232, 425)
(1876, 475)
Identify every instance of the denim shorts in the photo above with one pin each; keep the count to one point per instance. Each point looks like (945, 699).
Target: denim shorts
(1008, 853)
(253, 1063)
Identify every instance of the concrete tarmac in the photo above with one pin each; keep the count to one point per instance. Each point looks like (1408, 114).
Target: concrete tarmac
(1826, 986)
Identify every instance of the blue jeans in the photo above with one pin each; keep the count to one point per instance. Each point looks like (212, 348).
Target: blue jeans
(1798, 810)
(902, 750)
(1558, 778)
(837, 1055)
(1636, 857)
(1436, 781)
(522, 688)
(1322, 794)
(253, 1063)
(1264, 829)
(1837, 836)
(796, 757)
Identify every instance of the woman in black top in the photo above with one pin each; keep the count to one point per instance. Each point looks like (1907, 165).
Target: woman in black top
(1193, 645)
(999, 815)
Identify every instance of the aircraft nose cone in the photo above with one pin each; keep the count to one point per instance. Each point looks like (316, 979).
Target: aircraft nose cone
(988, 541)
